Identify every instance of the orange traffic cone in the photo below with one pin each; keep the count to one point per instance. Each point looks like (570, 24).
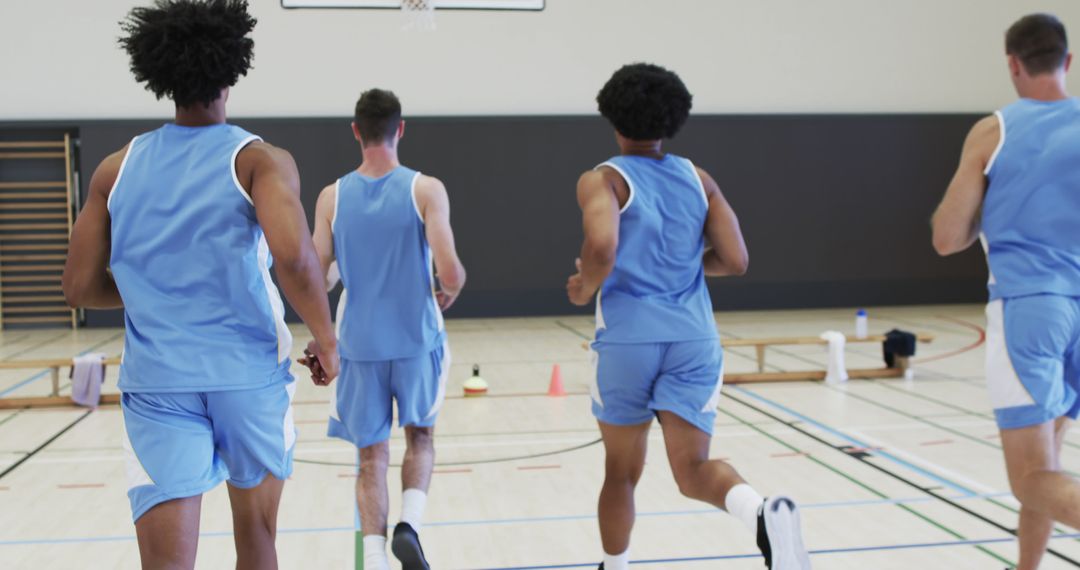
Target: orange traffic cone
(555, 388)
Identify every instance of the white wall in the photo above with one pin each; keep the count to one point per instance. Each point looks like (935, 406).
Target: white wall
(59, 58)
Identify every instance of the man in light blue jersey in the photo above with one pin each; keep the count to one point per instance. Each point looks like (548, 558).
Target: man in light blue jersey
(1018, 185)
(179, 229)
(655, 226)
(386, 226)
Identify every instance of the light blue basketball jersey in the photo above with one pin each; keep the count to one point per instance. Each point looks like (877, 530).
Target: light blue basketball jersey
(382, 251)
(192, 266)
(657, 292)
(1031, 213)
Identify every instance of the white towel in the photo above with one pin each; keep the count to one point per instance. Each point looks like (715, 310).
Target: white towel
(87, 375)
(836, 372)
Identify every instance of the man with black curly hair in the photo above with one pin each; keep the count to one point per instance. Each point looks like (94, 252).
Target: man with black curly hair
(179, 229)
(655, 226)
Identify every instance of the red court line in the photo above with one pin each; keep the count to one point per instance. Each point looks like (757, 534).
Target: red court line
(448, 471)
(538, 467)
(81, 486)
(982, 338)
(937, 442)
(791, 454)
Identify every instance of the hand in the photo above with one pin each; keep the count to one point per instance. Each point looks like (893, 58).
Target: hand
(445, 300)
(324, 364)
(575, 287)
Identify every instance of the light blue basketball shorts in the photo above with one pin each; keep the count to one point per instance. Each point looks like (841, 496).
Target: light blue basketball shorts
(184, 444)
(634, 381)
(1033, 359)
(362, 405)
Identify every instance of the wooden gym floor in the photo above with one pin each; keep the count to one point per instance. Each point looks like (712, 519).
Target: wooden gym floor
(890, 473)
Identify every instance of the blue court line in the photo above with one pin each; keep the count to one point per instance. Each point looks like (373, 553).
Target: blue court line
(858, 443)
(22, 383)
(356, 527)
(45, 372)
(851, 550)
(830, 505)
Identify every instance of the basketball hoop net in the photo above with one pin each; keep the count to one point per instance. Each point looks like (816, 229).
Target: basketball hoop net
(419, 15)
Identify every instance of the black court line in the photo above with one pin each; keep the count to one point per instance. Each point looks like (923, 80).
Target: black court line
(863, 457)
(25, 458)
(465, 463)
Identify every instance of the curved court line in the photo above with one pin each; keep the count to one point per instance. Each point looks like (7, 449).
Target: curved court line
(464, 463)
(850, 550)
(982, 339)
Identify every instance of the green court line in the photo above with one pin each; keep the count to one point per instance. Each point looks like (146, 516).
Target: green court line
(359, 550)
(11, 417)
(573, 330)
(866, 487)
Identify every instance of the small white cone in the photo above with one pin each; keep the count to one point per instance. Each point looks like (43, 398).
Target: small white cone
(836, 373)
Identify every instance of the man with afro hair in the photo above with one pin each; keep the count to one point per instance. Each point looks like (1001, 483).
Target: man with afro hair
(655, 226)
(179, 229)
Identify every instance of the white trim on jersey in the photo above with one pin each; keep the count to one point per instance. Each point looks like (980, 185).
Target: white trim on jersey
(701, 183)
(289, 424)
(1001, 143)
(986, 250)
(232, 167)
(1006, 389)
(337, 204)
(444, 374)
(284, 337)
(629, 183)
(600, 324)
(412, 192)
(439, 320)
(119, 173)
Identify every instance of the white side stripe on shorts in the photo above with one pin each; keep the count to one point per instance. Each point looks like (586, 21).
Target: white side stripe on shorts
(1006, 389)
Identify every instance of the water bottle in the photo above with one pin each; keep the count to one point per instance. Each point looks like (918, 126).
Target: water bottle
(860, 324)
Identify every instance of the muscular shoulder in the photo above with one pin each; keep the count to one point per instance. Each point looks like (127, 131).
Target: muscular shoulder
(108, 171)
(707, 181)
(263, 154)
(984, 136)
(260, 158)
(428, 190)
(603, 179)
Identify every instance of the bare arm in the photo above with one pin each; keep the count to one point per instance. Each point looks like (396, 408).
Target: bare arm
(600, 221)
(956, 221)
(271, 177)
(86, 281)
(434, 205)
(726, 254)
(324, 231)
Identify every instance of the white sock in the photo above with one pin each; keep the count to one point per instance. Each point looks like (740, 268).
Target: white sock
(743, 502)
(617, 561)
(413, 502)
(375, 553)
